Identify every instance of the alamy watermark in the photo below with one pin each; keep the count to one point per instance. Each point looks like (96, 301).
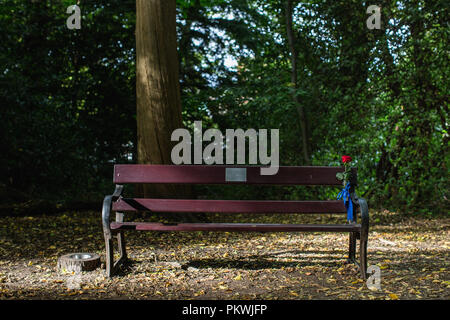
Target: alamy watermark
(374, 21)
(374, 281)
(73, 21)
(213, 153)
(74, 282)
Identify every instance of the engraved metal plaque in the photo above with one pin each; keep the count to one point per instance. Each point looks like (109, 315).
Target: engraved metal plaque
(236, 174)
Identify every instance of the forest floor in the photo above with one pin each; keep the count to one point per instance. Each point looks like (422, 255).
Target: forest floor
(411, 251)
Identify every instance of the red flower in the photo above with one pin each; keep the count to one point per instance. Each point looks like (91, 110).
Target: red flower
(346, 159)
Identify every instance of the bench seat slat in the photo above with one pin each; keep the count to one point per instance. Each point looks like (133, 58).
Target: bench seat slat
(208, 174)
(155, 226)
(228, 206)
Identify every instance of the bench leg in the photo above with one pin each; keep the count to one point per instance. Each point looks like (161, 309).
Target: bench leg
(364, 236)
(106, 210)
(111, 265)
(109, 256)
(121, 238)
(352, 247)
(363, 257)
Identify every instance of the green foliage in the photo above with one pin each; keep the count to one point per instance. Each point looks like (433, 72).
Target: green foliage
(381, 96)
(377, 95)
(66, 95)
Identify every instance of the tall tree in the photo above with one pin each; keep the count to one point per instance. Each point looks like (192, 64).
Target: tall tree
(157, 84)
(288, 10)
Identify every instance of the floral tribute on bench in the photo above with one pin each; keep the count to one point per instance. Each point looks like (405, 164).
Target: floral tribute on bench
(345, 194)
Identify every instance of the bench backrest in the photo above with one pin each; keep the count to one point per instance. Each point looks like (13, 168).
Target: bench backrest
(208, 174)
(221, 174)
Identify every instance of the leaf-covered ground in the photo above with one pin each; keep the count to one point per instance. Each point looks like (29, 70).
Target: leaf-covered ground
(412, 252)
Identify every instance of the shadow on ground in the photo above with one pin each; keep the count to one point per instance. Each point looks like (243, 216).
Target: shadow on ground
(411, 252)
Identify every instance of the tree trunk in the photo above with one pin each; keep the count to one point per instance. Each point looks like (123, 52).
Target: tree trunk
(300, 110)
(158, 95)
(157, 86)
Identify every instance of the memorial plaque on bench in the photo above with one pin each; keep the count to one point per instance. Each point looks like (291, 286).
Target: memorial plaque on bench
(235, 174)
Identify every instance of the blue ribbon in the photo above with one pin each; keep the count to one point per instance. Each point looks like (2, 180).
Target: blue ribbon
(345, 195)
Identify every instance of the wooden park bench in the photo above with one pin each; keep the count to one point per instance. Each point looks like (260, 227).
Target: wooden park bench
(208, 174)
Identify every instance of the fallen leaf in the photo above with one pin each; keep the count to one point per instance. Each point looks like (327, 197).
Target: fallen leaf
(393, 296)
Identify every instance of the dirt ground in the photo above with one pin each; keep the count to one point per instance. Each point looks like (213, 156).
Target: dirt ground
(411, 251)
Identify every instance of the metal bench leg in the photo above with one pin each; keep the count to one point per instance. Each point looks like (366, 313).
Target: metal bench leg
(108, 236)
(109, 256)
(364, 236)
(111, 265)
(106, 210)
(363, 257)
(121, 238)
(352, 247)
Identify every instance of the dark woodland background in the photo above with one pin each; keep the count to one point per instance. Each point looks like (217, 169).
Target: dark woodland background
(68, 97)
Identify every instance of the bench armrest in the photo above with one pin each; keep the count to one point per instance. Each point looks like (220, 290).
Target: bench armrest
(106, 210)
(364, 209)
